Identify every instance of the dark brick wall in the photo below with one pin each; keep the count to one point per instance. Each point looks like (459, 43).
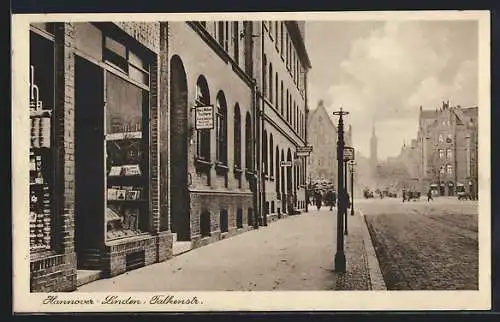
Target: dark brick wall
(56, 271)
(214, 202)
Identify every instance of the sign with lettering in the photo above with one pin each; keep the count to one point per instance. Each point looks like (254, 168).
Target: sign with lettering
(348, 153)
(204, 117)
(302, 151)
(286, 163)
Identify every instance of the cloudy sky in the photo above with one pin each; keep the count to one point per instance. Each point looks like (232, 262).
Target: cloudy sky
(383, 71)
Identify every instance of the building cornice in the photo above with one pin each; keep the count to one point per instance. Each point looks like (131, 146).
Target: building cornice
(299, 43)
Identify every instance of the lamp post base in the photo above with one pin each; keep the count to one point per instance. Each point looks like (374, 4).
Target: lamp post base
(340, 264)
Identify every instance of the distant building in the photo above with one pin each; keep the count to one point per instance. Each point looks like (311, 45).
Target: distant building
(447, 149)
(322, 135)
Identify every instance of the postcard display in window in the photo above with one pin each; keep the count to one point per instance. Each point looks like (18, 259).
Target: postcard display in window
(126, 158)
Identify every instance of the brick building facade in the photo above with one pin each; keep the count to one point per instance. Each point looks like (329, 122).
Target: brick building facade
(117, 106)
(97, 104)
(447, 140)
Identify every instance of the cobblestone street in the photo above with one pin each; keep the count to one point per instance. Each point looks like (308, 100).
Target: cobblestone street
(425, 246)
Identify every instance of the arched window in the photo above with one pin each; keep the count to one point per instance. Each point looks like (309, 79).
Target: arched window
(264, 153)
(221, 128)
(277, 89)
(237, 136)
(277, 164)
(271, 82)
(248, 142)
(287, 104)
(203, 136)
(264, 77)
(271, 155)
(282, 99)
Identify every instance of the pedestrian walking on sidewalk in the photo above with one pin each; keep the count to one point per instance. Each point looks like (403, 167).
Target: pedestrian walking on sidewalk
(404, 195)
(330, 199)
(429, 195)
(319, 199)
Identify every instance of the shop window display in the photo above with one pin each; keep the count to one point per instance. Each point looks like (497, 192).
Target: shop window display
(41, 85)
(126, 159)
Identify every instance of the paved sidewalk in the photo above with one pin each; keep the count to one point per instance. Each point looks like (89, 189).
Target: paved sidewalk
(294, 253)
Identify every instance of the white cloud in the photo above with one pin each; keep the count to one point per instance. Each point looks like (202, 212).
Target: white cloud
(390, 73)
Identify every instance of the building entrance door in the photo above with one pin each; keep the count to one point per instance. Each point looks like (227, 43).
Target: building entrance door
(179, 202)
(89, 163)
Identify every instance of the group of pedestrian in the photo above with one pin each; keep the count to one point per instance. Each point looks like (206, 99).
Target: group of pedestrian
(329, 198)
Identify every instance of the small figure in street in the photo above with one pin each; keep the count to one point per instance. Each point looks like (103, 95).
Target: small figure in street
(404, 195)
(319, 199)
(330, 199)
(429, 195)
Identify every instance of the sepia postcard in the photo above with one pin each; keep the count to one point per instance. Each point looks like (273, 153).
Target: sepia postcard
(331, 161)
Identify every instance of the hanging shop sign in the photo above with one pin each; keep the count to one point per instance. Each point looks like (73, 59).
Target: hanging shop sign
(285, 164)
(204, 117)
(348, 153)
(304, 151)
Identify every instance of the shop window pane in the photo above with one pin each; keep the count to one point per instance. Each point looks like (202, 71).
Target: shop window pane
(138, 75)
(136, 60)
(127, 158)
(89, 40)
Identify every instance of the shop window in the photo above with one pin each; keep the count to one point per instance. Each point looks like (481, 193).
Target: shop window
(449, 169)
(221, 129)
(41, 94)
(127, 158)
(203, 136)
(449, 154)
(441, 154)
(125, 60)
(237, 137)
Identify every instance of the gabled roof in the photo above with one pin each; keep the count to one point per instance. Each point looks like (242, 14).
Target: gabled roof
(321, 111)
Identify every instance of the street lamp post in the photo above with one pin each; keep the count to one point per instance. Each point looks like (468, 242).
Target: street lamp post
(340, 261)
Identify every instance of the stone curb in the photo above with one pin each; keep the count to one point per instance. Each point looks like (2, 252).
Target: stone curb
(376, 277)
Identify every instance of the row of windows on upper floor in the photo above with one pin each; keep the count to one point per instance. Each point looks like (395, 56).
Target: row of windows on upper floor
(230, 36)
(278, 33)
(283, 101)
(221, 138)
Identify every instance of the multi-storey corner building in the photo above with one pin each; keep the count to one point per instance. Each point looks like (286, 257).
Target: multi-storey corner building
(447, 140)
(282, 85)
(119, 174)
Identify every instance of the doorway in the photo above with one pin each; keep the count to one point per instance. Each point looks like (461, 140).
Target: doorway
(179, 201)
(89, 163)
